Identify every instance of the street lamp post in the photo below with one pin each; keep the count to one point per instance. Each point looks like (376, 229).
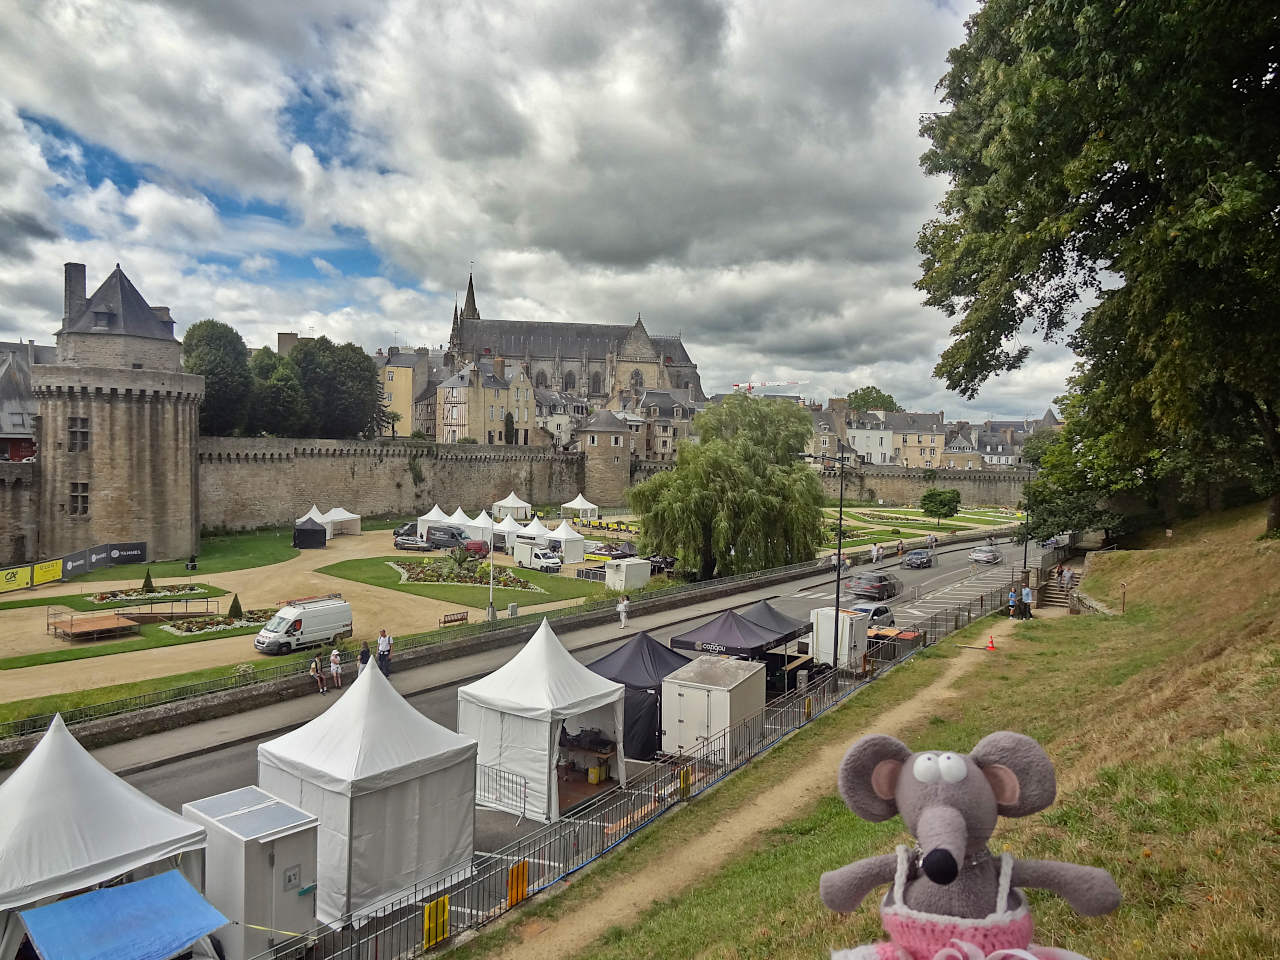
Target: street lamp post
(491, 614)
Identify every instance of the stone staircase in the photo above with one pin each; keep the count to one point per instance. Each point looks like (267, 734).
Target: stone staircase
(1052, 595)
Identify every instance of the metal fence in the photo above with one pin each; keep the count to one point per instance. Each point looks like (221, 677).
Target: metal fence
(501, 788)
(470, 895)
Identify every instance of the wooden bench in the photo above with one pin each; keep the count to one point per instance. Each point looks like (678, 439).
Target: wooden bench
(451, 618)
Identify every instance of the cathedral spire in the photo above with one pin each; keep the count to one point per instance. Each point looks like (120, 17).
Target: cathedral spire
(469, 311)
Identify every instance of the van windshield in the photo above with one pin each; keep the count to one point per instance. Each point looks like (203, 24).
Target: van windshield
(276, 624)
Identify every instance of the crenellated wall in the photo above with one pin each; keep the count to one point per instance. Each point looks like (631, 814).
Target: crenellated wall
(19, 512)
(902, 486)
(248, 482)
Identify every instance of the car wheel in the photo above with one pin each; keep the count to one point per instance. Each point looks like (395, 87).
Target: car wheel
(286, 649)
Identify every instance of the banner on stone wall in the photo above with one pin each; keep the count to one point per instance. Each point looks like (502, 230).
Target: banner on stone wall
(74, 564)
(135, 552)
(46, 572)
(15, 578)
(98, 557)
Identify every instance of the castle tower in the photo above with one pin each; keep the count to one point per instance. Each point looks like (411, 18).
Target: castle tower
(605, 441)
(118, 426)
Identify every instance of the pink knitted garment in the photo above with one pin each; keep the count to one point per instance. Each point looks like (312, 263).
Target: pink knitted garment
(922, 937)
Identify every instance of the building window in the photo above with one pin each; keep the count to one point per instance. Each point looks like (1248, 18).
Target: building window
(570, 381)
(595, 383)
(491, 411)
(615, 441)
(592, 440)
(389, 396)
(79, 499)
(391, 375)
(490, 437)
(77, 433)
(824, 442)
(637, 380)
(617, 460)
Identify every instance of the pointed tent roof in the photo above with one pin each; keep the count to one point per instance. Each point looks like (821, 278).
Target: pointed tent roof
(565, 532)
(536, 528)
(542, 682)
(306, 523)
(511, 500)
(125, 309)
(764, 614)
(508, 524)
(730, 633)
(469, 311)
(69, 823)
(481, 526)
(369, 739)
(313, 514)
(459, 516)
(435, 515)
(641, 663)
(579, 503)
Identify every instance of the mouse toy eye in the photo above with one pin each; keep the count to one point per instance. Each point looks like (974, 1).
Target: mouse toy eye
(925, 768)
(952, 767)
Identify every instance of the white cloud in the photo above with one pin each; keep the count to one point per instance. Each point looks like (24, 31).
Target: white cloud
(325, 267)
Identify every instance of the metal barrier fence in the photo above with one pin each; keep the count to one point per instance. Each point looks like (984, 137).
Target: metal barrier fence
(470, 895)
(502, 788)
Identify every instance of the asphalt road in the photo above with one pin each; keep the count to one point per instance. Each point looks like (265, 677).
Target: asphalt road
(951, 582)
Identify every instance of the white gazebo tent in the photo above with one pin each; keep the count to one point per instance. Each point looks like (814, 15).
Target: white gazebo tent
(460, 518)
(393, 790)
(315, 514)
(434, 516)
(517, 712)
(70, 823)
(481, 528)
(535, 531)
(585, 508)
(512, 506)
(572, 544)
(508, 528)
(340, 521)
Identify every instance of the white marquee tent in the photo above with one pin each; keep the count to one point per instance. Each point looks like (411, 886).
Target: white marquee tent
(481, 528)
(340, 521)
(315, 514)
(460, 518)
(536, 531)
(517, 712)
(394, 792)
(508, 527)
(432, 517)
(512, 506)
(572, 544)
(70, 823)
(585, 508)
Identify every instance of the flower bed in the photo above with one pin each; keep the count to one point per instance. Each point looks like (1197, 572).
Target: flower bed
(250, 618)
(138, 595)
(443, 570)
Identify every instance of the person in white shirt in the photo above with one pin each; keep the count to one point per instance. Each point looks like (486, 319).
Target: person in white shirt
(384, 653)
(335, 667)
(623, 608)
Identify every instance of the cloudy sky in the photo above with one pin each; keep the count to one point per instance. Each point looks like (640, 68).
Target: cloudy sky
(741, 172)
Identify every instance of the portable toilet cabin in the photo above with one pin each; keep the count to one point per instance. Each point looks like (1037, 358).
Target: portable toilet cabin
(707, 697)
(630, 573)
(847, 653)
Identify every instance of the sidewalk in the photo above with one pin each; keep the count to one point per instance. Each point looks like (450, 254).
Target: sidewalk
(145, 753)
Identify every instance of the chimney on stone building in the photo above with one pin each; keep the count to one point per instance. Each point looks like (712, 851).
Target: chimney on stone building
(499, 367)
(74, 294)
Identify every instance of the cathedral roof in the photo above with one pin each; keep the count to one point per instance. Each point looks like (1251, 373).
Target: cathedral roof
(118, 307)
(469, 310)
(542, 338)
(672, 347)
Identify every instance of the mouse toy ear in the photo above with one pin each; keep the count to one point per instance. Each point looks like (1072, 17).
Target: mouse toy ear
(1019, 771)
(869, 776)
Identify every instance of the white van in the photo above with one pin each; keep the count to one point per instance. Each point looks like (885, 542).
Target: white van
(535, 557)
(306, 622)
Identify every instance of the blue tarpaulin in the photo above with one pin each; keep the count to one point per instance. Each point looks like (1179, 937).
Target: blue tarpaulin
(148, 920)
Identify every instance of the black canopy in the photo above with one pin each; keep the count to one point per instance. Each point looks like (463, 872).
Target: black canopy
(639, 665)
(730, 633)
(309, 535)
(764, 614)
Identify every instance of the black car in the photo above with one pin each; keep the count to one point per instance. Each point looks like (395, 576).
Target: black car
(878, 586)
(409, 529)
(918, 559)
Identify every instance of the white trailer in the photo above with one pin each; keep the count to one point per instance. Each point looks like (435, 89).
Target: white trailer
(631, 573)
(853, 637)
(706, 697)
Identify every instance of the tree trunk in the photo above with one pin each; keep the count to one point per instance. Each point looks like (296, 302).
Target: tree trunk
(1273, 513)
(708, 555)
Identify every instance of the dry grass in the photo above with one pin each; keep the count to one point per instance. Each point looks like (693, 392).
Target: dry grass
(1165, 726)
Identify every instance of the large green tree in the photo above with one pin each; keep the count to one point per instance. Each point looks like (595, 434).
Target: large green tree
(340, 384)
(279, 405)
(872, 397)
(1119, 164)
(216, 352)
(738, 500)
(940, 504)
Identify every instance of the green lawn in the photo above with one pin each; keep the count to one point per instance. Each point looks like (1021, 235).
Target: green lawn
(151, 635)
(83, 603)
(232, 551)
(376, 572)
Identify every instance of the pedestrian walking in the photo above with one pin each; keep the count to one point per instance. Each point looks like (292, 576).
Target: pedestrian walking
(335, 669)
(363, 660)
(1066, 579)
(384, 653)
(1013, 602)
(1026, 602)
(317, 671)
(900, 545)
(623, 608)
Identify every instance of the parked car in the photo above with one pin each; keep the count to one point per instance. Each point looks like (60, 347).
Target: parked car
(450, 537)
(412, 543)
(985, 555)
(879, 615)
(409, 529)
(878, 586)
(917, 559)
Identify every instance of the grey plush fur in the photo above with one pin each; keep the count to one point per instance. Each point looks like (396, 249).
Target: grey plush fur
(952, 817)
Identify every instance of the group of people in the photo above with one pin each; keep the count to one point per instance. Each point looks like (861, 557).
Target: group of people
(335, 663)
(1020, 603)
(1065, 577)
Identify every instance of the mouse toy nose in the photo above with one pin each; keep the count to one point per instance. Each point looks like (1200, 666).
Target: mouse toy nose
(940, 866)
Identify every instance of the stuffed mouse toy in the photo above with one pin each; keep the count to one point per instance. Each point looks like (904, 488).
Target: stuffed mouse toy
(952, 899)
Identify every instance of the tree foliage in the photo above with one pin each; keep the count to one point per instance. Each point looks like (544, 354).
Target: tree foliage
(872, 397)
(738, 500)
(340, 385)
(1123, 155)
(1034, 447)
(215, 351)
(279, 406)
(509, 428)
(940, 504)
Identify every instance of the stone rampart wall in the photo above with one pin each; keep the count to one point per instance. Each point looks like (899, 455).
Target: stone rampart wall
(19, 512)
(902, 486)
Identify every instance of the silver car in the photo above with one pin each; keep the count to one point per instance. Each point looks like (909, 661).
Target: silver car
(985, 555)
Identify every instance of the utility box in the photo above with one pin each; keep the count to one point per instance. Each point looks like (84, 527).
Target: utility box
(852, 644)
(631, 573)
(706, 697)
(259, 869)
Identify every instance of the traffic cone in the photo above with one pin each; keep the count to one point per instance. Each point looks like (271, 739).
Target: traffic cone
(991, 642)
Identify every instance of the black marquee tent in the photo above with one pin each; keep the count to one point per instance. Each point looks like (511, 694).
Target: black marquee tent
(764, 614)
(729, 634)
(309, 535)
(639, 665)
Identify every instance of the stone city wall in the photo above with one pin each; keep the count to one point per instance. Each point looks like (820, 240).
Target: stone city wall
(19, 512)
(903, 486)
(250, 482)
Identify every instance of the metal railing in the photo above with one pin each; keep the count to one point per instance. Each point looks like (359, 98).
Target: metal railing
(496, 787)
(470, 895)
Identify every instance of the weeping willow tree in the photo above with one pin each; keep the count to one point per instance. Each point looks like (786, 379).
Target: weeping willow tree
(738, 500)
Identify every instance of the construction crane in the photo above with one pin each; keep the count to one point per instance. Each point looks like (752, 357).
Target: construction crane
(750, 387)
